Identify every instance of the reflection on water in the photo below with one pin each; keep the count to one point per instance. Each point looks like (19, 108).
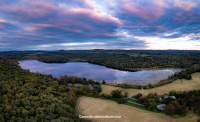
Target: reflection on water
(96, 72)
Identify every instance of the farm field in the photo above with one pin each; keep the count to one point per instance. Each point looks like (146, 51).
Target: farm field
(98, 106)
(107, 89)
(186, 85)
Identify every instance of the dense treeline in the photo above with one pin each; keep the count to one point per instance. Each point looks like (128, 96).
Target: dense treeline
(73, 79)
(118, 59)
(126, 60)
(34, 97)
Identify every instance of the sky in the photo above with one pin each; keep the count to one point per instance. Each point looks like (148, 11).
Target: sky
(99, 24)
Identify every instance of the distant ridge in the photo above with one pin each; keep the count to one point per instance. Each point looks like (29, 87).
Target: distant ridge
(99, 50)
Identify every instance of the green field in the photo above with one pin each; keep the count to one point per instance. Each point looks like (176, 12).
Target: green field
(129, 99)
(33, 54)
(134, 54)
(144, 55)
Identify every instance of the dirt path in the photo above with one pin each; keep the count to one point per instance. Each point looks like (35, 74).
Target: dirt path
(135, 94)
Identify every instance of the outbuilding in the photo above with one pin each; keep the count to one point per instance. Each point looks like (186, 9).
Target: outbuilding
(161, 107)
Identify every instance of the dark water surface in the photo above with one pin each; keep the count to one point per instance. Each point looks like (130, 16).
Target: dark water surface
(96, 72)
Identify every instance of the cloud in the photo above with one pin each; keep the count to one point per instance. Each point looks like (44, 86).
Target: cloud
(30, 24)
(149, 18)
(144, 10)
(185, 5)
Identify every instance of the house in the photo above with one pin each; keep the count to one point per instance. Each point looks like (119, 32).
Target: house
(172, 97)
(91, 88)
(77, 85)
(165, 96)
(161, 107)
(169, 97)
(69, 84)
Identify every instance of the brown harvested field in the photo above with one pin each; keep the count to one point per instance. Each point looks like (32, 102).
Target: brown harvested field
(98, 106)
(186, 85)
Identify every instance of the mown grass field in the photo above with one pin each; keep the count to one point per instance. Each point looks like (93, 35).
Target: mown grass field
(185, 85)
(107, 89)
(98, 106)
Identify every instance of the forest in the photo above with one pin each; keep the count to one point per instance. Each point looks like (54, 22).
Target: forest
(35, 97)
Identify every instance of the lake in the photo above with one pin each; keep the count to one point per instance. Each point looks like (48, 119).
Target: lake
(99, 73)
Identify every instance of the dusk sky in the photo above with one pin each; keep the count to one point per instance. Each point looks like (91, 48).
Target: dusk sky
(99, 24)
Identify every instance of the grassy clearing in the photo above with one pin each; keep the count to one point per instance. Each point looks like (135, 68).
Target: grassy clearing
(98, 106)
(129, 99)
(134, 97)
(144, 55)
(161, 95)
(114, 99)
(135, 105)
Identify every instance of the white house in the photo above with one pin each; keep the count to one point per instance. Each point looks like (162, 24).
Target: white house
(78, 85)
(169, 97)
(69, 84)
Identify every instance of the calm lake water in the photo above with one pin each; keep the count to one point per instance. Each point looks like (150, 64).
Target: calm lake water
(96, 72)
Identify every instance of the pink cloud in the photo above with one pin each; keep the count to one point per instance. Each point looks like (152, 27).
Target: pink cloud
(160, 3)
(31, 29)
(88, 3)
(160, 27)
(44, 25)
(35, 27)
(29, 9)
(154, 9)
(44, 12)
(3, 21)
(51, 37)
(148, 12)
(95, 15)
(185, 5)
